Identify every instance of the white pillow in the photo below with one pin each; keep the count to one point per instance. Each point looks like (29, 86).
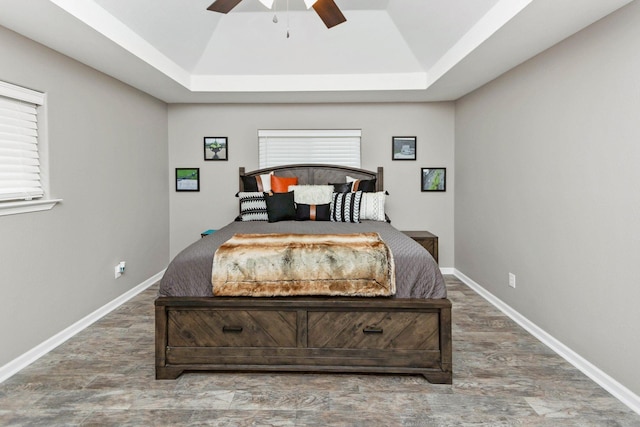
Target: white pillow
(312, 194)
(265, 179)
(372, 206)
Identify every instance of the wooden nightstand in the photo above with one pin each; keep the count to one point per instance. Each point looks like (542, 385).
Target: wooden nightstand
(429, 241)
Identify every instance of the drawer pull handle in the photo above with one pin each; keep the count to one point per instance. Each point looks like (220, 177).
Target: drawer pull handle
(232, 329)
(372, 330)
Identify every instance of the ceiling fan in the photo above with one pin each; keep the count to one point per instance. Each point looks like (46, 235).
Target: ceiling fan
(328, 10)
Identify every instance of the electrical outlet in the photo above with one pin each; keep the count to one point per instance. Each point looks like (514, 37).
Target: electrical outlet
(512, 280)
(119, 269)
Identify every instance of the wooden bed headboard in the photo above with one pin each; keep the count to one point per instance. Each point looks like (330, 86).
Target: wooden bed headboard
(315, 174)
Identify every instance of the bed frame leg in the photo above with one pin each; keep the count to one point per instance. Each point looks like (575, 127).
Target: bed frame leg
(439, 377)
(164, 373)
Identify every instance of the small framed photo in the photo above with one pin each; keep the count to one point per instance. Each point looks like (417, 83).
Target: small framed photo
(187, 179)
(216, 148)
(403, 148)
(433, 179)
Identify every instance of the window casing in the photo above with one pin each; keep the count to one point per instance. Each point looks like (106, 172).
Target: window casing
(22, 151)
(288, 146)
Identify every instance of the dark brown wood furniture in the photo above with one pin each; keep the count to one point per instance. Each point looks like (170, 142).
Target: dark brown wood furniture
(303, 334)
(428, 240)
(407, 336)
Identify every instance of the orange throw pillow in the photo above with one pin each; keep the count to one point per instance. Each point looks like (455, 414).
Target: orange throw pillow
(280, 184)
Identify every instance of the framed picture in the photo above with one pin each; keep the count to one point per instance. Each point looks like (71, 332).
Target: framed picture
(187, 179)
(216, 148)
(433, 179)
(403, 148)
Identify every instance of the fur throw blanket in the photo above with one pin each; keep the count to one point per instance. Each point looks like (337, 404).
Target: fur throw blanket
(265, 265)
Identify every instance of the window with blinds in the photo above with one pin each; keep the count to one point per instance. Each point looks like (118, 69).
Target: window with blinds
(285, 147)
(19, 154)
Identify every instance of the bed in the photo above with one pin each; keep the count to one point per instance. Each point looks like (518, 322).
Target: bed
(407, 332)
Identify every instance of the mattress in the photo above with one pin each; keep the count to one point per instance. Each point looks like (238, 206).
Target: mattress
(417, 274)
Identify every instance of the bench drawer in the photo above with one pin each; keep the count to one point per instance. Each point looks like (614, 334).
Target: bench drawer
(374, 330)
(231, 328)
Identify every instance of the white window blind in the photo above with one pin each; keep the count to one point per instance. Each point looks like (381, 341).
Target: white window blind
(19, 157)
(285, 147)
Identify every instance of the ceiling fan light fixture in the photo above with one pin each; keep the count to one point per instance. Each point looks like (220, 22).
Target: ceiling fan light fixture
(327, 10)
(309, 3)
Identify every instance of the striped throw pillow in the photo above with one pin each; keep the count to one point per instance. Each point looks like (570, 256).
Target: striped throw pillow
(345, 207)
(253, 206)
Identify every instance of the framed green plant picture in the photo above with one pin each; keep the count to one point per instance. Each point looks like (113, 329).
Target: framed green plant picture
(187, 179)
(216, 148)
(433, 179)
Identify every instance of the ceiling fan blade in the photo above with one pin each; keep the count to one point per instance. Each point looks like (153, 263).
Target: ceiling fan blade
(223, 6)
(329, 12)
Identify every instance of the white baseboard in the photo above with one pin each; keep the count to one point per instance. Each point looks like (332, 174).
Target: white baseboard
(447, 270)
(43, 348)
(619, 391)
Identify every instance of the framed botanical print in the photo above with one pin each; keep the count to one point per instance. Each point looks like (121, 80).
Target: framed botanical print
(187, 179)
(433, 179)
(216, 148)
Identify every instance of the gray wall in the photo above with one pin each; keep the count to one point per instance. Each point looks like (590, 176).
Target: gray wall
(215, 205)
(108, 161)
(547, 188)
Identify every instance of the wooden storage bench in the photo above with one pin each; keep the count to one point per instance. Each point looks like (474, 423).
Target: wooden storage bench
(382, 335)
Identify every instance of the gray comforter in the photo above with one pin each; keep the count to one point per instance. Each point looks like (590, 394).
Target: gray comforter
(417, 274)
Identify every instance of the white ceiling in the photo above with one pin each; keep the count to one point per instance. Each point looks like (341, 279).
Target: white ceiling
(388, 50)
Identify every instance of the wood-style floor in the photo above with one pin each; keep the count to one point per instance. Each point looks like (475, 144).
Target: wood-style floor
(503, 376)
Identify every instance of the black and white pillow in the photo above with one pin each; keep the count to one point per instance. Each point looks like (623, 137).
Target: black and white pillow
(256, 183)
(366, 185)
(345, 207)
(253, 207)
(342, 187)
